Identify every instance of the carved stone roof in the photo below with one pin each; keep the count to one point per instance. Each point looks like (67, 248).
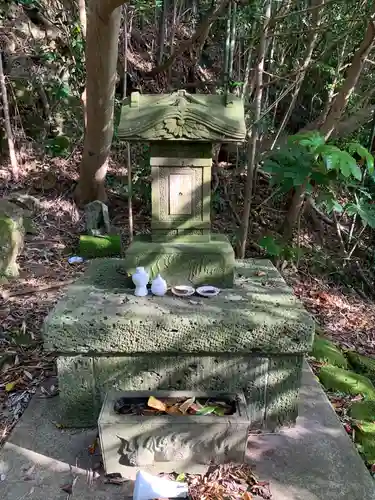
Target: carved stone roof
(182, 117)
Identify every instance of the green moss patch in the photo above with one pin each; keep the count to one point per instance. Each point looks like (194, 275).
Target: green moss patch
(334, 378)
(363, 411)
(365, 438)
(362, 364)
(91, 247)
(326, 351)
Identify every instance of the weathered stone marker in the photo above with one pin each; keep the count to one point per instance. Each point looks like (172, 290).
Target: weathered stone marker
(181, 129)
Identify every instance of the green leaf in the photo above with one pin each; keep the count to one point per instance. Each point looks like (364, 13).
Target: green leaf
(181, 477)
(311, 140)
(270, 245)
(365, 210)
(207, 410)
(363, 153)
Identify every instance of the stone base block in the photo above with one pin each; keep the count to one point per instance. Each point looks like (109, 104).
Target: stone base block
(144, 441)
(270, 384)
(193, 259)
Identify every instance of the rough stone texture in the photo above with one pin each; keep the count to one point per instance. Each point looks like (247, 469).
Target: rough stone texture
(250, 338)
(11, 238)
(78, 397)
(137, 440)
(315, 460)
(270, 384)
(97, 218)
(193, 259)
(181, 116)
(260, 314)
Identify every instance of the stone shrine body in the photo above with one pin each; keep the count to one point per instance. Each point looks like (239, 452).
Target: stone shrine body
(181, 129)
(249, 340)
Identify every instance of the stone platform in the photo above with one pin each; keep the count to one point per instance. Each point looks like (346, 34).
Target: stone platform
(250, 338)
(315, 460)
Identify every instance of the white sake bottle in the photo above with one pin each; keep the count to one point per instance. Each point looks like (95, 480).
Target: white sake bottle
(159, 286)
(140, 279)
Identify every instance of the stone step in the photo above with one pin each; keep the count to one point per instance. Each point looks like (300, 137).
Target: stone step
(313, 461)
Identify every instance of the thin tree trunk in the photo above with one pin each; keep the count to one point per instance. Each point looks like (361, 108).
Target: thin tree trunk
(83, 22)
(129, 164)
(8, 127)
(82, 16)
(311, 43)
(200, 35)
(103, 27)
(245, 88)
(173, 35)
(253, 139)
(342, 97)
(162, 28)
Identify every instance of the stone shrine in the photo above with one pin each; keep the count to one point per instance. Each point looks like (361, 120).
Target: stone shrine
(248, 340)
(181, 129)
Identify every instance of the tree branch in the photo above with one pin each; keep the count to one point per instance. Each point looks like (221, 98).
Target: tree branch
(200, 34)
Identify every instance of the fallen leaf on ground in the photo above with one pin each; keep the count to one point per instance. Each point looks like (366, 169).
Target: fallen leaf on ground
(11, 385)
(68, 487)
(114, 478)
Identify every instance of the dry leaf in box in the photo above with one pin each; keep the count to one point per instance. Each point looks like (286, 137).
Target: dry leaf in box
(156, 404)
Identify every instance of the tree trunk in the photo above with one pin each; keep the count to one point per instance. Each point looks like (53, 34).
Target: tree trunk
(103, 27)
(200, 35)
(341, 100)
(8, 128)
(331, 119)
(162, 28)
(311, 43)
(82, 16)
(253, 139)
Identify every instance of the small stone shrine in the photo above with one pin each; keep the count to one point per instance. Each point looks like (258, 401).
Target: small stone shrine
(248, 340)
(181, 129)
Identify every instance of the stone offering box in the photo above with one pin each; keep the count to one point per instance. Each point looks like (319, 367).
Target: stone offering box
(172, 441)
(250, 338)
(181, 129)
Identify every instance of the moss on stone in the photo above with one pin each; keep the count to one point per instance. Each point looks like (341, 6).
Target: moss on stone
(326, 351)
(104, 246)
(363, 411)
(365, 438)
(11, 238)
(362, 364)
(334, 378)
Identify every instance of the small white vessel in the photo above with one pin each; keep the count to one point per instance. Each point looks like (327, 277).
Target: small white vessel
(140, 279)
(159, 286)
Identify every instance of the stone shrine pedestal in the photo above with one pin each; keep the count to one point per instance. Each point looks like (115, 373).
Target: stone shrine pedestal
(250, 338)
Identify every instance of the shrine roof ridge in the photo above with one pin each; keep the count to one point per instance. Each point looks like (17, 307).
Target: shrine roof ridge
(182, 116)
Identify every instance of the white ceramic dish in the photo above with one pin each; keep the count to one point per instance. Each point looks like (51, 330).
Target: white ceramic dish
(208, 291)
(183, 291)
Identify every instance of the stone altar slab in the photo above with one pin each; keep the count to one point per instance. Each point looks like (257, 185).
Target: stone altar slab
(251, 338)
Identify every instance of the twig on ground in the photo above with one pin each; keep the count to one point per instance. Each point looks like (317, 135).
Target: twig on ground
(42, 288)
